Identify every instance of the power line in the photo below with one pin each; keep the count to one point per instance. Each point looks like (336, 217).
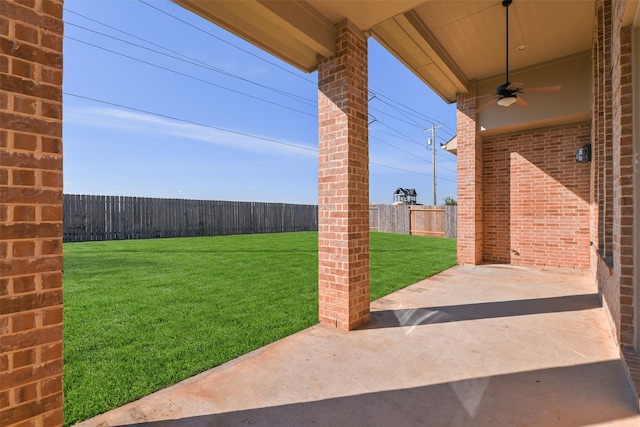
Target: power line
(398, 148)
(405, 110)
(409, 139)
(375, 119)
(301, 147)
(389, 144)
(226, 42)
(378, 94)
(189, 76)
(412, 123)
(71, 38)
(452, 156)
(67, 10)
(189, 121)
(418, 114)
(409, 171)
(195, 62)
(375, 95)
(406, 137)
(413, 141)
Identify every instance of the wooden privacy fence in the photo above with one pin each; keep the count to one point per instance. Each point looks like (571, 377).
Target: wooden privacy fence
(389, 218)
(88, 218)
(417, 220)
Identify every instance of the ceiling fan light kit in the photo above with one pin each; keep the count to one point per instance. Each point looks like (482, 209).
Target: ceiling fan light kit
(507, 100)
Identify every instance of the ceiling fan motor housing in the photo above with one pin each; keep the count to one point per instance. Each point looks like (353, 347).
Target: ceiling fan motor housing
(502, 90)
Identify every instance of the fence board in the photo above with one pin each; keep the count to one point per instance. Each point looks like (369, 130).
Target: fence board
(427, 221)
(88, 217)
(451, 219)
(389, 218)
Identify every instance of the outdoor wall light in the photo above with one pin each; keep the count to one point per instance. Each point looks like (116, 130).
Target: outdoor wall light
(507, 100)
(583, 154)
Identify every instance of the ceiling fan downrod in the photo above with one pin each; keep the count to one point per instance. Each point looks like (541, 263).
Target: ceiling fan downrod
(506, 4)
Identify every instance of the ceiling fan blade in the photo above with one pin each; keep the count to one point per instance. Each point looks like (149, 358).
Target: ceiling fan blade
(484, 96)
(483, 107)
(521, 102)
(541, 89)
(515, 86)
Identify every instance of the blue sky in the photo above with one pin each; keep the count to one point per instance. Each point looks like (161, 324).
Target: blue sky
(161, 103)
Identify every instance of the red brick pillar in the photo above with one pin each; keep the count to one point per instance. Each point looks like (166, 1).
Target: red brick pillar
(623, 165)
(31, 212)
(469, 183)
(343, 183)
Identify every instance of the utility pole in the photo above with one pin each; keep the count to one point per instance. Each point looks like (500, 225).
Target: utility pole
(432, 142)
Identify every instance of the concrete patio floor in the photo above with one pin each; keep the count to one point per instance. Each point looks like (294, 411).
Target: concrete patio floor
(490, 345)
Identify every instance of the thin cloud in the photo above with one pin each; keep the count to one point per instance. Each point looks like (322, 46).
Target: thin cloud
(129, 121)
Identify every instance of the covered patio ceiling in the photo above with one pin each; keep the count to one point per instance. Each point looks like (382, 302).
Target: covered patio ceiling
(447, 44)
(452, 46)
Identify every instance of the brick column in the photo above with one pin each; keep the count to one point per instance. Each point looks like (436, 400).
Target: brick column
(623, 164)
(470, 250)
(343, 183)
(31, 212)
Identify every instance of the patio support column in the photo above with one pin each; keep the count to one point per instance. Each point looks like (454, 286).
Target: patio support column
(31, 230)
(343, 182)
(470, 250)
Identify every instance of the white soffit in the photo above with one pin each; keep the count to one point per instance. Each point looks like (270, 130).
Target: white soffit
(292, 31)
(411, 42)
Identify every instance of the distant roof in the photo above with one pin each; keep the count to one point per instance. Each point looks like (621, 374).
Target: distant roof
(406, 192)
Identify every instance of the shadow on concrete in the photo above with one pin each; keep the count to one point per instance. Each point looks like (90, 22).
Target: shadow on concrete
(561, 396)
(488, 310)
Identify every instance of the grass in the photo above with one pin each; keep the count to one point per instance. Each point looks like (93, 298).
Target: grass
(144, 314)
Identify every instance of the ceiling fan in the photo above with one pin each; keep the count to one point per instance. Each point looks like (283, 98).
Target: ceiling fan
(509, 93)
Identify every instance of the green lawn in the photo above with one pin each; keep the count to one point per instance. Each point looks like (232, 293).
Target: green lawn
(144, 314)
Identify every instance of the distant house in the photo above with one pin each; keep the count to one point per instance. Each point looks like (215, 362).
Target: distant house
(405, 196)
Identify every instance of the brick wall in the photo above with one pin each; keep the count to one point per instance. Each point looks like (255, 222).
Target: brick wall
(536, 198)
(343, 183)
(31, 212)
(470, 165)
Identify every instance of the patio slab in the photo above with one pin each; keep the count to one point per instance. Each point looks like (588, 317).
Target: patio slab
(490, 345)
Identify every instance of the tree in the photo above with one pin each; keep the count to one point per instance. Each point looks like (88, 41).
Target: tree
(450, 201)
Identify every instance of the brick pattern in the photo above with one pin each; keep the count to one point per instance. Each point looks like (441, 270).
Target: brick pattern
(343, 183)
(612, 188)
(602, 165)
(602, 143)
(470, 231)
(622, 133)
(31, 34)
(536, 198)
